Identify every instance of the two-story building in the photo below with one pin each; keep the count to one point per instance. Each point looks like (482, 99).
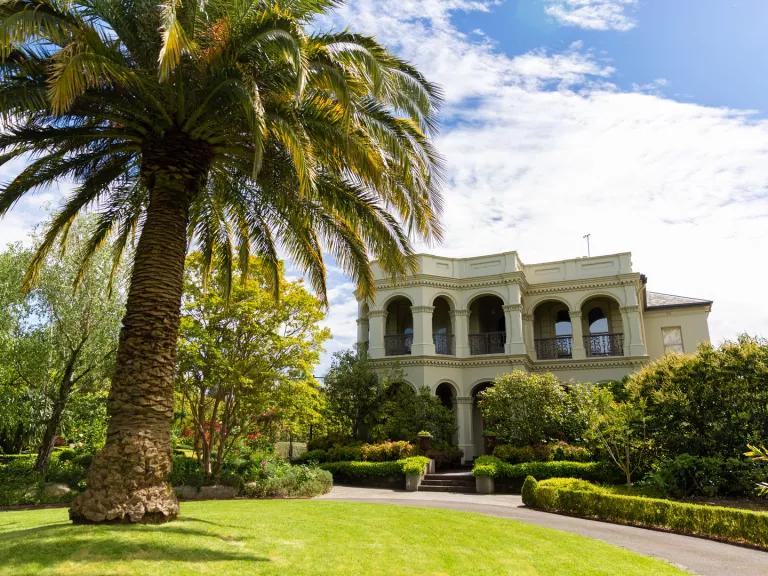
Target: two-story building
(457, 323)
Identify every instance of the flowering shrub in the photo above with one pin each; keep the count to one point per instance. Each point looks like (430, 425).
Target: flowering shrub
(387, 451)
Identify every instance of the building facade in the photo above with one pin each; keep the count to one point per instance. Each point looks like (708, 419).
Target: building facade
(456, 324)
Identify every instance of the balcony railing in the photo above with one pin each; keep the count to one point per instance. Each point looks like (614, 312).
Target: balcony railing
(553, 348)
(604, 345)
(444, 344)
(398, 344)
(488, 343)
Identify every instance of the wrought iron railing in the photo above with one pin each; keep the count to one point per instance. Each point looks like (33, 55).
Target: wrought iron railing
(604, 345)
(488, 343)
(553, 348)
(397, 344)
(444, 344)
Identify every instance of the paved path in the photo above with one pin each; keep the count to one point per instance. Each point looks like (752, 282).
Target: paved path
(696, 555)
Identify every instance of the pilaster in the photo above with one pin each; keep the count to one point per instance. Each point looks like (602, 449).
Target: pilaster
(528, 335)
(636, 344)
(514, 323)
(377, 320)
(464, 405)
(423, 343)
(460, 320)
(578, 352)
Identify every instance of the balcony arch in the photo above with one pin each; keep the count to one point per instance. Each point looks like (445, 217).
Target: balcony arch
(602, 326)
(398, 332)
(442, 326)
(487, 325)
(552, 330)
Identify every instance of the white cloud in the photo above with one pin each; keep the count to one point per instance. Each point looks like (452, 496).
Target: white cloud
(541, 148)
(592, 14)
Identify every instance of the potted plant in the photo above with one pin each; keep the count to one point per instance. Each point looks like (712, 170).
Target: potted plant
(490, 441)
(424, 439)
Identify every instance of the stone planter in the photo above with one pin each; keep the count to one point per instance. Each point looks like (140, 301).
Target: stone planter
(490, 443)
(485, 485)
(412, 482)
(424, 443)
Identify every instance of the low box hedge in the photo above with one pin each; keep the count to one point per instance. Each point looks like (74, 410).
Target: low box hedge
(498, 469)
(355, 469)
(728, 524)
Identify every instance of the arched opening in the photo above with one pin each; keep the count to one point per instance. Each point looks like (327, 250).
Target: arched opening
(602, 327)
(487, 326)
(442, 330)
(552, 331)
(444, 391)
(398, 336)
(477, 420)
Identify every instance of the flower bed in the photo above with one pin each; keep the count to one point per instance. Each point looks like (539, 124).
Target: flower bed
(727, 524)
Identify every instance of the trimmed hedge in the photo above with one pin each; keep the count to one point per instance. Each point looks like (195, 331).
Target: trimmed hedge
(414, 465)
(729, 524)
(492, 466)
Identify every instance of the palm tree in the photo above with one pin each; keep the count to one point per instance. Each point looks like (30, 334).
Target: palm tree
(234, 124)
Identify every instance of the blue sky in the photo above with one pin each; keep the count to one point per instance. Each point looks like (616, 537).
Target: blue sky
(642, 122)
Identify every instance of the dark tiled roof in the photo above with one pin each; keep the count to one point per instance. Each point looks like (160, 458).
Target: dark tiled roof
(659, 300)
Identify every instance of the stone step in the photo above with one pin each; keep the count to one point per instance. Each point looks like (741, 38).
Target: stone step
(463, 476)
(459, 489)
(448, 483)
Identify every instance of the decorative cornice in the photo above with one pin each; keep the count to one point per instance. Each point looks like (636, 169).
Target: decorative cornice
(528, 317)
(377, 314)
(590, 364)
(514, 362)
(450, 284)
(630, 309)
(513, 307)
(455, 313)
(361, 321)
(422, 309)
(465, 400)
(574, 313)
(573, 285)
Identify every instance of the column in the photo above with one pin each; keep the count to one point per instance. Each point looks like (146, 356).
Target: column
(460, 321)
(513, 319)
(423, 344)
(464, 405)
(633, 330)
(578, 352)
(528, 335)
(377, 320)
(362, 330)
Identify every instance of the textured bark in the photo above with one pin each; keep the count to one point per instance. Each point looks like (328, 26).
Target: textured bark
(127, 479)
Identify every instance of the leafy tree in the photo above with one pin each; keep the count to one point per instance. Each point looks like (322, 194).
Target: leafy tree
(620, 430)
(351, 390)
(706, 404)
(523, 408)
(759, 454)
(246, 357)
(64, 341)
(404, 412)
(239, 122)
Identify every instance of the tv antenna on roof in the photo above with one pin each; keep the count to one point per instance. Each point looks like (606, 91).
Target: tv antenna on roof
(587, 237)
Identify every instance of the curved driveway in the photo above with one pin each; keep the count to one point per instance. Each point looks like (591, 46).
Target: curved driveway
(696, 555)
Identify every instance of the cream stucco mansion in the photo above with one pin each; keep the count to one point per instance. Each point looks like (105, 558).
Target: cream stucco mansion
(456, 324)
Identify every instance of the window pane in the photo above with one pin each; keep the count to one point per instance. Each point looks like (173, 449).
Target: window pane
(673, 339)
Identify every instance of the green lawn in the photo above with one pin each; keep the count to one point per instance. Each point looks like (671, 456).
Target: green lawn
(306, 537)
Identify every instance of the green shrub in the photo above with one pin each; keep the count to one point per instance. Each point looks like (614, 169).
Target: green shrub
(446, 456)
(560, 451)
(84, 460)
(345, 453)
(329, 441)
(572, 484)
(282, 449)
(294, 482)
(730, 524)
(66, 455)
(318, 456)
(186, 471)
(530, 488)
(686, 475)
(387, 451)
(414, 465)
(492, 466)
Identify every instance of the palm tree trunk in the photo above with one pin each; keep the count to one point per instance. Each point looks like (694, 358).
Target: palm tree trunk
(127, 479)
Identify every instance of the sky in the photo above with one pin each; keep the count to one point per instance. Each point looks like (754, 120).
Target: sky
(641, 122)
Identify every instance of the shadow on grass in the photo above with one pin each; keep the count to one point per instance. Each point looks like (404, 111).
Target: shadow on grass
(53, 544)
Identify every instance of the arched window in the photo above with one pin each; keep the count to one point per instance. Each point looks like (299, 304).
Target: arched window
(563, 324)
(598, 323)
